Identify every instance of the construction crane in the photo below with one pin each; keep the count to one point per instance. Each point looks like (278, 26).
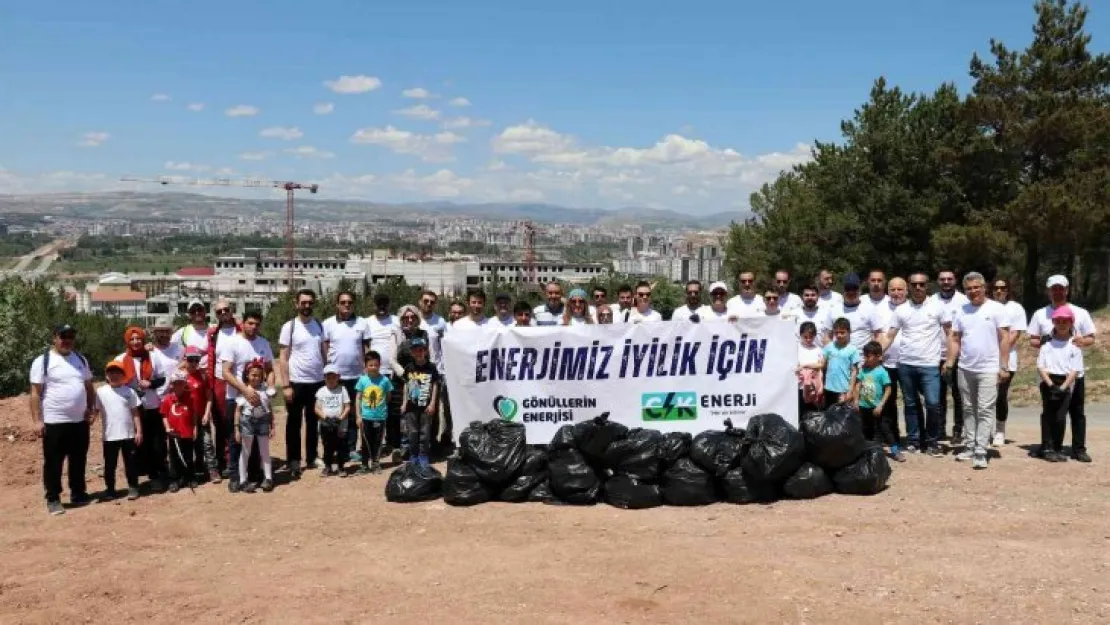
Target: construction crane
(529, 231)
(289, 188)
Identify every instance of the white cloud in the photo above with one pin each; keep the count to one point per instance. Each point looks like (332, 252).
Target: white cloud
(530, 139)
(323, 108)
(418, 93)
(497, 165)
(184, 166)
(420, 111)
(93, 139)
(432, 148)
(460, 101)
(160, 97)
(443, 183)
(278, 132)
(307, 151)
(254, 156)
(242, 110)
(459, 123)
(196, 107)
(353, 84)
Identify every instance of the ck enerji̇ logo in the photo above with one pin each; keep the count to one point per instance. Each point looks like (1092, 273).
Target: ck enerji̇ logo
(505, 407)
(674, 406)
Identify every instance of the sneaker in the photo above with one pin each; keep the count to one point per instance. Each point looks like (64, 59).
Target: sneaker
(226, 474)
(249, 487)
(1081, 456)
(267, 486)
(174, 487)
(314, 464)
(80, 499)
(108, 495)
(1061, 456)
(295, 470)
(964, 456)
(980, 461)
(214, 476)
(898, 456)
(233, 486)
(998, 440)
(395, 456)
(355, 457)
(957, 436)
(935, 451)
(912, 449)
(363, 470)
(326, 472)
(341, 472)
(54, 508)
(157, 486)
(375, 467)
(132, 494)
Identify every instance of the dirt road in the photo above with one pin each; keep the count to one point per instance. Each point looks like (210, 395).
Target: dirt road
(1024, 541)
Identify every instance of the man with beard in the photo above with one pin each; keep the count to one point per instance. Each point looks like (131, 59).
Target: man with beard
(885, 312)
(811, 311)
(550, 313)
(301, 358)
(345, 341)
(950, 300)
(876, 289)
(601, 298)
(435, 326)
(233, 356)
(1040, 329)
(226, 327)
(384, 330)
(827, 297)
(625, 300)
(746, 303)
(502, 311)
(476, 316)
(689, 310)
(788, 301)
(456, 311)
(865, 326)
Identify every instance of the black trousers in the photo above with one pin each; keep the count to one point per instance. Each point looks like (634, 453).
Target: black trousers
(302, 410)
(181, 459)
(879, 427)
(371, 435)
(418, 428)
(1076, 410)
(1054, 414)
(61, 443)
(395, 433)
(951, 382)
(152, 452)
(350, 438)
(112, 452)
(1002, 405)
(335, 447)
(444, 425)
(890, 409)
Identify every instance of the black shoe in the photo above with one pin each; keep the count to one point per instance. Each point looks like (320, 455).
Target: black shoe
(108, 495)
(226, 474)
(1080, 456)
(80, 499)
(1061, 456)
(267, 486)
(54, 508)
(233, 486)
(249, 487)
(174, 486)
(935, 451)
(132, 494)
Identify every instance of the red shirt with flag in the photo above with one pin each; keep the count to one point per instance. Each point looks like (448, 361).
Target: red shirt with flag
(199, 390)
(179, 414)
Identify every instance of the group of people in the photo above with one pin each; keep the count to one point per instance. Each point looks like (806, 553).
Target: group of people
(196, 403)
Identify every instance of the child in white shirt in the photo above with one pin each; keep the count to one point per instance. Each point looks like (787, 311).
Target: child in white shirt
(122, 430)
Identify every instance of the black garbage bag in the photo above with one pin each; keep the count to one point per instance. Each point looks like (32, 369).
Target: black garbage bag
(623, 491)
(412, 482)
(775, 449)
(675, 445)
(571, 478)
(462, 487)
(637, 455)
(834, 438)
(532, 473)
(563, 439)
(594, 437)
(717, 452)
(687, 484)
(742, 489)
(808, 482)
(866, 476)
(495, 450)
(542, 493)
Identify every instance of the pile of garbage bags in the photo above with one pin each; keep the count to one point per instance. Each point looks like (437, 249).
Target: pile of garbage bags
(603, 461)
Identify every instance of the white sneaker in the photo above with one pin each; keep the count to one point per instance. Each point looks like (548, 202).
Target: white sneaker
(999, 439)
(964, 456)
(980, 462)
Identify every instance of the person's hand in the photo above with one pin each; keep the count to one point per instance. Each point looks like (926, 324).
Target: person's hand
(1077, 341)
(878, 409)
(40, 429)
(430, 410)
(1003, 375)
(252, 396)
(204, 420)
(945, 369)
(90, 415)
(238, 437)
(273, 430)
(144, 385)
(287, 393)
(138, 438)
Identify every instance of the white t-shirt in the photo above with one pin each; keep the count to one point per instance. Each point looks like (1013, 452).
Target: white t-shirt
(1041, 323)
(498, 322)
(115, 405)
(829, 298)
(819, 317)
(740, 306)
(435, 326)
(544, 316)
(222, 336)
(577, 321)
(978, 327)
(885, 315)
(883, 301)
(166, 361)
(160, 367)
(1060, 357)
(467, 322)
(863, 319)
(332, 401)
(63, 394)
(1016, 315)
(306, 363)
(240, 351)
(345, 345)
(646, 317)
(189, 336)
(384, 335)
(808, 355)
(682, 313)
(948, 308)
(922, 329)
(706, 313)
(790, 302)
(248, 411)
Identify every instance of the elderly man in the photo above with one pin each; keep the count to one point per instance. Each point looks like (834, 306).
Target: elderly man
(1040, 327)
(980, 338)
(550, 313)
(63, 405)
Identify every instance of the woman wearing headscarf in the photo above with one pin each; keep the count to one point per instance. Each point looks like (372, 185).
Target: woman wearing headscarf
(410, 319)
(144, 372)
(577, 310)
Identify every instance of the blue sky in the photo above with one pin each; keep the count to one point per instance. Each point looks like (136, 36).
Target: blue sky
(683, 105)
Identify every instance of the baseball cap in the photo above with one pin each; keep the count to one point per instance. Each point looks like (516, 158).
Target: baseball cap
(851, 281)
(115, 364)
(64, 328)
(163, 322)
(192, 352)
(331, 369)
(178, 376)
(503, 297)
(1057, 280)
(194, 303)
(718, 286)
(418, 342)
(1063, 312)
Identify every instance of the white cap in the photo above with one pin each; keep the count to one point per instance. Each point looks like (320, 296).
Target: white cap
(329, 369)
(718, 286)
(1057, 280)
(163, 322)
(178, 376)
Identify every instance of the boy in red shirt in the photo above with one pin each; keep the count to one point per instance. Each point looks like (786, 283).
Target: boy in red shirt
(177, 416)
(200, 401)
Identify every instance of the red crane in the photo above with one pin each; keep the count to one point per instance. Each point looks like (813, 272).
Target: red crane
(289, 188)
(529, 229)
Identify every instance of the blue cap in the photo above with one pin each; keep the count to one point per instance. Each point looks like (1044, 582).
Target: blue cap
(851, 281)
(418, 342)
(64, 328)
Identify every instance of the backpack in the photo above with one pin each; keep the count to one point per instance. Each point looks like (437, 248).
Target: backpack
(46, 364)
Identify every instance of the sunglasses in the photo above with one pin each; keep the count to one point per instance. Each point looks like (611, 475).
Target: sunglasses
(719, 293)
(429, 302)
(409, 317)
(67, 336)
(643, 295)
(222, 311)
(771, 299)
(345, 302)
(1000, 287)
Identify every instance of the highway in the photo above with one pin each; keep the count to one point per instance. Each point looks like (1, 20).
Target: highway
(45, 255)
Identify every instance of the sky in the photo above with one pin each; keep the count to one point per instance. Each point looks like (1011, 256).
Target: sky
(689, 106)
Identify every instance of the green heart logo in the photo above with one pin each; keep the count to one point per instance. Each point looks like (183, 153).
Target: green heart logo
(505, 407)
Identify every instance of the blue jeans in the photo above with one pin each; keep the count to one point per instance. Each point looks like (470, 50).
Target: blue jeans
(921, 383)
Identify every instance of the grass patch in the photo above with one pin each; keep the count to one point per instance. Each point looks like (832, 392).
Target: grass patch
(1096, 360)
(139, 263)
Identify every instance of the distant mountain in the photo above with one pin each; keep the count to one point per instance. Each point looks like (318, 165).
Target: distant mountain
(162, 205)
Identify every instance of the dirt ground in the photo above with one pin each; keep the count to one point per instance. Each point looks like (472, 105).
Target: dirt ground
(1023, 541)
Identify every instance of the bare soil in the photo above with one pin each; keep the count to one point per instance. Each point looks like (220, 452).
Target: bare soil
(1024, 541)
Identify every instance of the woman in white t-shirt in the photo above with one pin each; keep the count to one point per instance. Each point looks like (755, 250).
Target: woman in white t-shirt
(811, 363)
(576, 312)
(1015, 313)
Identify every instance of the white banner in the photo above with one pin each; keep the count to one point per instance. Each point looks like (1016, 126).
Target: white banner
(670, 376)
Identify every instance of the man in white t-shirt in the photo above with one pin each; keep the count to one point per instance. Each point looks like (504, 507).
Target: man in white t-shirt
(346, 339)
(301, 359)
(876, 289)
(233, 355)
(224, 330)
(950, 300)
(787, 301)
(866, 326)
(923, 328)
(195, 334)
(717, 308)
(689, 310)
(1018, 322)
(825, 295)
(385, 338)
(476, 317)
(436, 326)
(1040, 326)
(896, 296)
(550, 313)
(746, 303)
(643, 312)
(811, 311)
(63, 404)
(980, 339)
(503, 311)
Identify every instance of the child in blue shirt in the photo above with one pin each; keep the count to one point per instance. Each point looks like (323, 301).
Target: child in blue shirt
(372, 393)
(872, 393)
(841, 365)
